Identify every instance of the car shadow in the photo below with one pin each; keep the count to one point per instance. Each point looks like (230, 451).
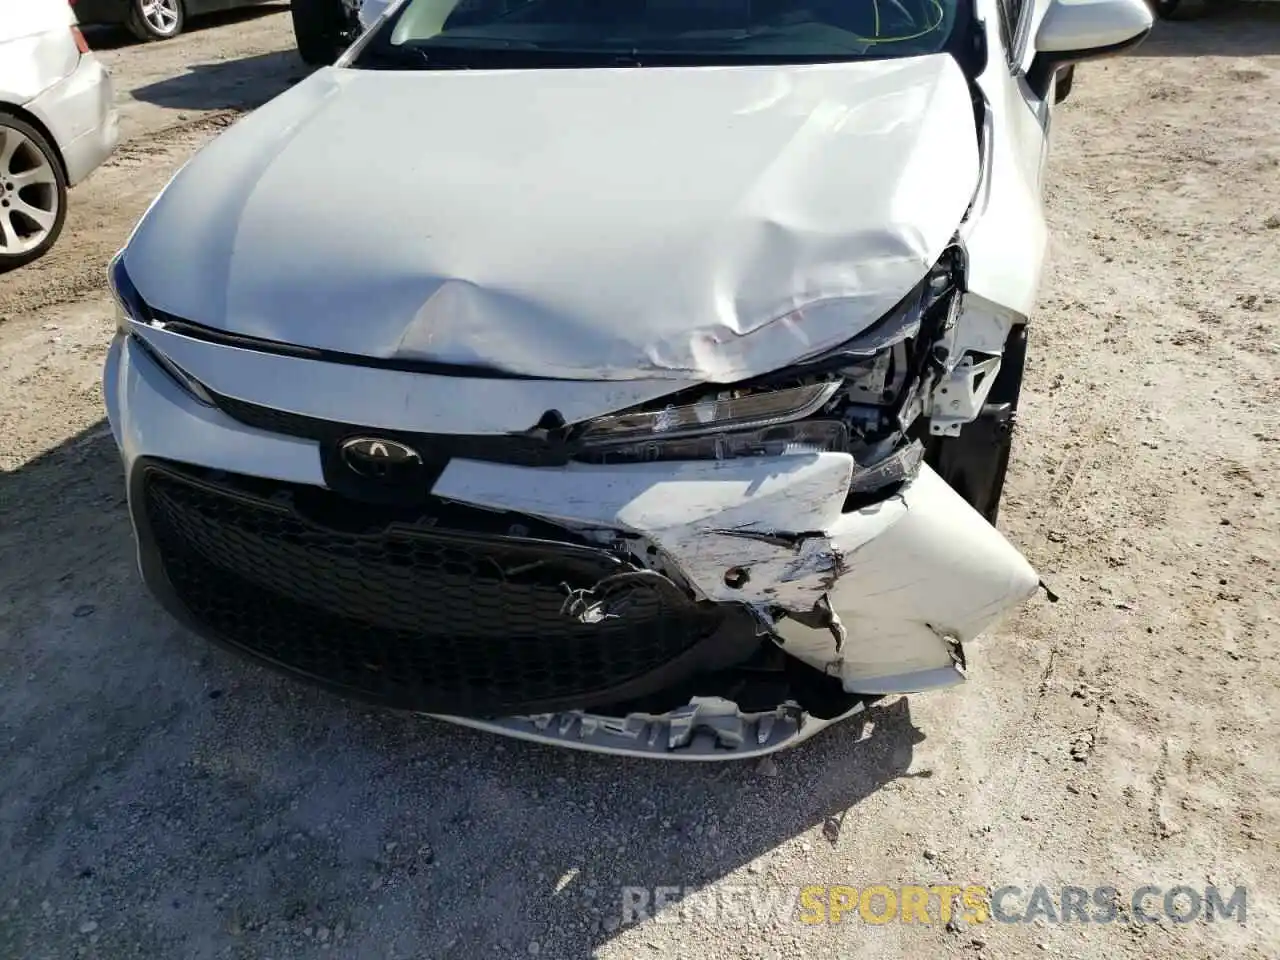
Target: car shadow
(244, 811)
(246, 83)
(111, 36)
(1235, 30)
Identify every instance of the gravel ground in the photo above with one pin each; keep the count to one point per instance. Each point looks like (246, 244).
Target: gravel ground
(160, 798)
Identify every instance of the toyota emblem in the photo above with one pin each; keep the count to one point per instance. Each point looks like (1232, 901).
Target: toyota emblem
(378, 458)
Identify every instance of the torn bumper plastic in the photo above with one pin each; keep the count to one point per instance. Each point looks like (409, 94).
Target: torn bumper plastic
(708, 728)
(881, 597)
(875, 598)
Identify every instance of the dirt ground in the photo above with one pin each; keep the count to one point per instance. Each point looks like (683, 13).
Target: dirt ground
(159, 798)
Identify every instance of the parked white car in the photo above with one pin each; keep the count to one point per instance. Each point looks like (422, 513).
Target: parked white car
(58, 122)
(636, 376)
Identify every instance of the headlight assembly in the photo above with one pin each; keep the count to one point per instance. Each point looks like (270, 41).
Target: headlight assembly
(718, 413)
(860, 397)
(129, 305)
(131, 310)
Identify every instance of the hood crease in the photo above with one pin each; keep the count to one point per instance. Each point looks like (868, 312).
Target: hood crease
(704, 224)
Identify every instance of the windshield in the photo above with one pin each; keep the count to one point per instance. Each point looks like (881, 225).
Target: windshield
(486, 34)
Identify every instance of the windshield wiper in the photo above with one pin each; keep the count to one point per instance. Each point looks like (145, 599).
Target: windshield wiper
(388, 57)
(485, 54)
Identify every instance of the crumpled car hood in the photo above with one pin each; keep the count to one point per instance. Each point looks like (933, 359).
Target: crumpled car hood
(705, 224)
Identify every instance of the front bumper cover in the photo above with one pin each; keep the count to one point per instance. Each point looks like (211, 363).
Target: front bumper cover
(880, 598)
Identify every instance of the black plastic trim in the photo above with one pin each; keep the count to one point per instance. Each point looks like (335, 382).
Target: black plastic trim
(734, 641)
(197, 331)
(539, 448)
(1066, 80)
(1045, 65)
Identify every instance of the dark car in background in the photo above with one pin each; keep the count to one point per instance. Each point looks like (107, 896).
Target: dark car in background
(151, 19)
(1195, 9)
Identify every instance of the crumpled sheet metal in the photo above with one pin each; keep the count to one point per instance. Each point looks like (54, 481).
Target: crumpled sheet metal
(707, 225)
(707, 729)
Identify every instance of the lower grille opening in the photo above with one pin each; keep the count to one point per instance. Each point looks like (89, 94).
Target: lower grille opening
(410, 612)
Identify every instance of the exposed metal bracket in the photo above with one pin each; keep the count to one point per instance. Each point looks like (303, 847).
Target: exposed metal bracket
(960, 394)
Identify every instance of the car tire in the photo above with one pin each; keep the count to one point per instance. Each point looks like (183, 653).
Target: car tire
(150, 20)
(33, 193)
(975, 463)
(320, 29)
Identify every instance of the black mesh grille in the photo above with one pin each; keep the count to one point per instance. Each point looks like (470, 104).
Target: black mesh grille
(407, 615)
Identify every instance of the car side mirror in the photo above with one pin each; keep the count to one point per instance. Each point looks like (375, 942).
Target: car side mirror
(1075, 30)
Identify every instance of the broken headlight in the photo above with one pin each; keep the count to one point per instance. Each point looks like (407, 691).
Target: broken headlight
(720, 426)
(732, 410)
(859, 397)
(808, 436)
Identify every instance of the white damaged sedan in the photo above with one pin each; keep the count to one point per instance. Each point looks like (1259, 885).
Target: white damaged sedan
(630, 375)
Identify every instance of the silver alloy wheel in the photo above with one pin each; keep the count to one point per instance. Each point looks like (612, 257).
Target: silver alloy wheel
(161, 15)
(28, 193)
